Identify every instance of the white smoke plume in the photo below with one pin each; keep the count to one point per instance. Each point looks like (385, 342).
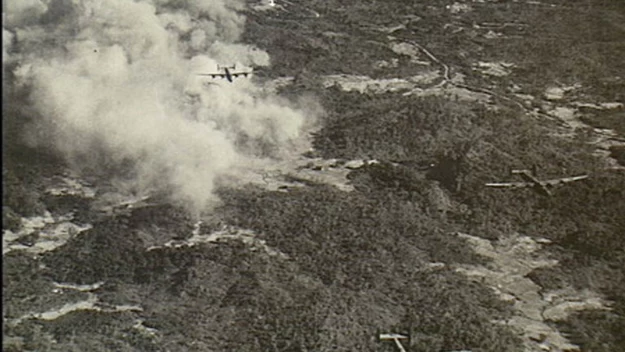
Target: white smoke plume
(114, 82)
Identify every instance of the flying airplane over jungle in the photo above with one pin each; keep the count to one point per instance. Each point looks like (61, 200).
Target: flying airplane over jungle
(229, 73)
(542, 187)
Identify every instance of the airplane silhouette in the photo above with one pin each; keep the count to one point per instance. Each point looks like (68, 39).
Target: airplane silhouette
(227, 74)
(542, 187)
(395, 338)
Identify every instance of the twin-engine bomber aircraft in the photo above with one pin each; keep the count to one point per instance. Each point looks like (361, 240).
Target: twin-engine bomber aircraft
(227, 74)
(541, 187)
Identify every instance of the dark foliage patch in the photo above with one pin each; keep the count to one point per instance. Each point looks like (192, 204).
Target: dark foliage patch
(618, 153)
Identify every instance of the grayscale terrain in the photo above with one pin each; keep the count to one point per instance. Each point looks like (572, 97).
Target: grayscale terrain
(449, 170)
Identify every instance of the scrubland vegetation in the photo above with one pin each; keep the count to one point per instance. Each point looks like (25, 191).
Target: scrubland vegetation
(357, 262)
(584, 219)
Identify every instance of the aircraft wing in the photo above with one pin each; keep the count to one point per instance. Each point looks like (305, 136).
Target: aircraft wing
(527, 176)
(392, 336)
(563, 180)
(509, 184)
(213, 75)
(240, 73)
(224, 75)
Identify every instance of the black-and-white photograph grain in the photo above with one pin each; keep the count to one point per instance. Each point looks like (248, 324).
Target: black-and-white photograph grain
(313, 175)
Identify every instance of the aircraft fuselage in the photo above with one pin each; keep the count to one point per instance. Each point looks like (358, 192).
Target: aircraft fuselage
(228, 75)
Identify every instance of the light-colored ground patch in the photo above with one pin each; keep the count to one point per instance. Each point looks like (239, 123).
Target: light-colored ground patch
(115, 202)
(28, 226)
(567, 115)
(51, 232)
(558, 93)
(410, 86)
(566, 301)
(498, 69)
(68, 185)
(77, 287)
(387, 64)
(248, 237)
(493, 35)
(453, 93)
(90, 303)
(391, 29)
(264, 5)
(146, 331)
(457, 8)
(512, 259)
(297, 171)
(105, 198)
(527, 99)
(410, 50)
(554, 93)
(365, 84)
(600, 106)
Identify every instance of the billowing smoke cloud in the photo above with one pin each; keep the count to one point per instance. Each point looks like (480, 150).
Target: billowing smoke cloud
(114, 83)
